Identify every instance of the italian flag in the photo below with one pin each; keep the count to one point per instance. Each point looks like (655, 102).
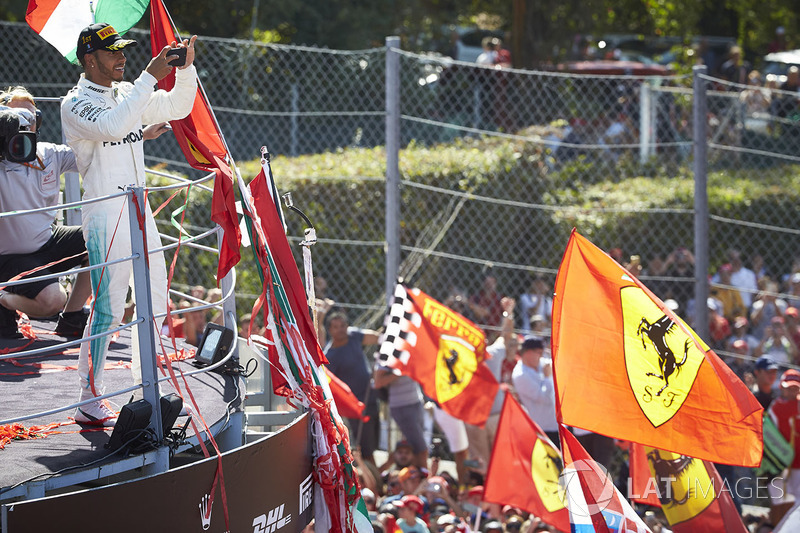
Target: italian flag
(59, 22)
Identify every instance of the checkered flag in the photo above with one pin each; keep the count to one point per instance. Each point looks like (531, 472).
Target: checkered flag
(398, 337)
(442, 351)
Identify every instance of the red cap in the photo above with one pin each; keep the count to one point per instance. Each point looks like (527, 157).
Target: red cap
(411, 501)
(790, 378)
(476, 491)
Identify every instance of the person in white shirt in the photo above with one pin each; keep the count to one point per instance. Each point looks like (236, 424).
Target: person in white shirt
(533, 382)
(33, 241)
(742, 278)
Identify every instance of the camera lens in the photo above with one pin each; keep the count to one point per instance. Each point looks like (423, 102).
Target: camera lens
(22, 147)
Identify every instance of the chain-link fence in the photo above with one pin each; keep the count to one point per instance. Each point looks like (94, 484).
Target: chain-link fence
(496, 166)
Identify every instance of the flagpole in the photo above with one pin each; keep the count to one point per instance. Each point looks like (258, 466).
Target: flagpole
(553, 341)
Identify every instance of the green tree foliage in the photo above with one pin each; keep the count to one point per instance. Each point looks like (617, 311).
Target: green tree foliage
(423, 24)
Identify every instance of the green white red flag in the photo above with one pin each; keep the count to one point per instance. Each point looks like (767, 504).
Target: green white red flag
(59, 22)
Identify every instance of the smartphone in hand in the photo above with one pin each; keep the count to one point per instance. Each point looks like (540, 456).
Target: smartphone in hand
(178, 56)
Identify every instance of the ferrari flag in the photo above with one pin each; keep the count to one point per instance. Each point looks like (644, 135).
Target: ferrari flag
(525, 467)
(442, 351)
(59, 22)
(628, 367)
(690, 491)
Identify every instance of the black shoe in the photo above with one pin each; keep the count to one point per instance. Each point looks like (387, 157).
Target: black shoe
(72, 324)
(8, 324)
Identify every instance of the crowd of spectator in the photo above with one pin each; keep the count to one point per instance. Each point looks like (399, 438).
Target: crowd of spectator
(754, 326)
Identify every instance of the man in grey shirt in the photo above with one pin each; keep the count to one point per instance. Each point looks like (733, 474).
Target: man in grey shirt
(34, 240)
(31, 241)
(345, 354)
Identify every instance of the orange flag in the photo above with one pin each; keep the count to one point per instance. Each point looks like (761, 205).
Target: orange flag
(690, 491)
(442, 351)
(346, 402)
(525, 467)
(627, 367)
(202, 146)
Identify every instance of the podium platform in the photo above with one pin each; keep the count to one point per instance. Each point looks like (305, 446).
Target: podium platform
(33, 384)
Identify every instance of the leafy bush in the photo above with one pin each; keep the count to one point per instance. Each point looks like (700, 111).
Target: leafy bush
(649, 211)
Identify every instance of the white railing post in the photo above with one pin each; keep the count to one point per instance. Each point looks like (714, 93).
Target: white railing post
(144, 310)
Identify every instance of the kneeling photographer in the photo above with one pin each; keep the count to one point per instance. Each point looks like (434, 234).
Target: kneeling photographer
(30, 179)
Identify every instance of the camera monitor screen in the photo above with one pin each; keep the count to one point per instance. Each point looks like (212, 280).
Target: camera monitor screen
(214, 345)
(210, 344)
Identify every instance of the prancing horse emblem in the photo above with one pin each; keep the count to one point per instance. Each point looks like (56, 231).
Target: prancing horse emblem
(451, 363)
(662, 356)
(685, 488)
(657, 332)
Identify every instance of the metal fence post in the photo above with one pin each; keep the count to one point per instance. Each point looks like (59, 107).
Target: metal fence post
(392, 164)
(293, 136)
(644, 122)
(699, 124)
(145, 330)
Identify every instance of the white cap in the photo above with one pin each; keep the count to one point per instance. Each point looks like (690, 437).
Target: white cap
(25, 117)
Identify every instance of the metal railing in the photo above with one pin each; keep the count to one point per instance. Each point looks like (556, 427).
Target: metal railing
(157, 460)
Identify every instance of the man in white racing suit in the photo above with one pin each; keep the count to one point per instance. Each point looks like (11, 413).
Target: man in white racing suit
(103, 120)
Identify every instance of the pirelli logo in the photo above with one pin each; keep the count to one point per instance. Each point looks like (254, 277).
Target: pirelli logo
(106, 32)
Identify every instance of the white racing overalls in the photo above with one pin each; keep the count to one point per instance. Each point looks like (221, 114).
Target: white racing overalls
(103, 126)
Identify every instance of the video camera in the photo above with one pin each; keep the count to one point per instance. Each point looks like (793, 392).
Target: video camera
(17, 143)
